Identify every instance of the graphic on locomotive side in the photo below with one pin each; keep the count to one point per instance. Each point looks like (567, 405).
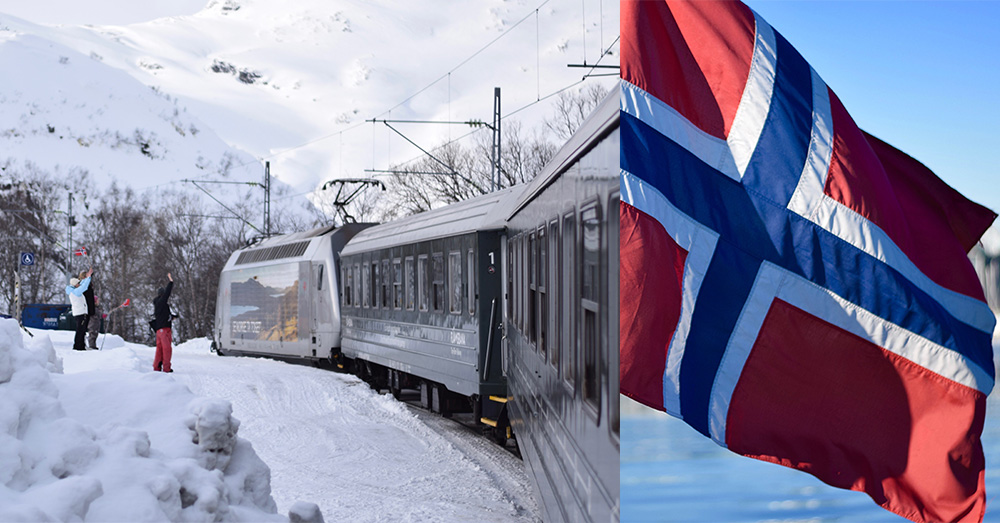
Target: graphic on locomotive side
(264, 303)
(280, 297)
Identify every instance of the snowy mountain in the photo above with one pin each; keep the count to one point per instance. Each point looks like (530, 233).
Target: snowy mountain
(216, 92)
(68, 113)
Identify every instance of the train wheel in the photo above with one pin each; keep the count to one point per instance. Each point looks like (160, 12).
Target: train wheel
(425, 394)
(439, 400)
(395, 383)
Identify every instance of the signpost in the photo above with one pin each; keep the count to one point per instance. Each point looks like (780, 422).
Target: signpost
(27, 260)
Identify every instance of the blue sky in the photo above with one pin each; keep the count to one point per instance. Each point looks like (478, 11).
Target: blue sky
(923, 76)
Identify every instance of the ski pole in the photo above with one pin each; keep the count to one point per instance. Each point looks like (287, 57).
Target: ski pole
(125, 303)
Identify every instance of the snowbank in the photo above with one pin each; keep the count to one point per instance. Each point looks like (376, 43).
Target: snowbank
(120, 446)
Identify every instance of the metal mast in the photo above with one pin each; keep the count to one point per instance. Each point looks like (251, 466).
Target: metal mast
(496, 139)
(267, 199)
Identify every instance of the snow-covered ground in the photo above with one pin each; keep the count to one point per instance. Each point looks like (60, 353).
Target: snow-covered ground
(99, 436)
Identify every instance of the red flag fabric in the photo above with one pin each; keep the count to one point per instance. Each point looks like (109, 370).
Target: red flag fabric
(82, 251)
(791, 287)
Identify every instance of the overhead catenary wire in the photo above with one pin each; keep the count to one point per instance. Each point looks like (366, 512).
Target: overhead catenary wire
(604, 52)
(446, 75)
(538, 60)
(512, 113)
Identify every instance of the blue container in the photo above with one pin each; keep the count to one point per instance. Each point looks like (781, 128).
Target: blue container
(45, 316)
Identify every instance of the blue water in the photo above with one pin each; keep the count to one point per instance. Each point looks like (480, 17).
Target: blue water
(671, 473)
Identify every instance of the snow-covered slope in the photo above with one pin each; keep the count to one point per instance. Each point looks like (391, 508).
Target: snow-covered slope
(288, 82)
(67, 113)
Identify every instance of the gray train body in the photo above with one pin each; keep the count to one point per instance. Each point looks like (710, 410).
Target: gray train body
(561, 324)
(505, 305)
(280, 297)
(422, 304)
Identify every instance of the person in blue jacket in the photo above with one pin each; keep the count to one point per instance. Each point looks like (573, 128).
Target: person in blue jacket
(75, 290)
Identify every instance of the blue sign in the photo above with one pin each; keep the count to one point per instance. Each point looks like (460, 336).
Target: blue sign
(27, 258)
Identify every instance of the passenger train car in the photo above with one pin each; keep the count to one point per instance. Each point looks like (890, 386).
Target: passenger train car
(422, 305)
(561, 324)
(505, 305)
(280, 297)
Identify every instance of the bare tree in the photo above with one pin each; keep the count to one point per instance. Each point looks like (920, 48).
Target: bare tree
(30, 222)
(523, 155)
(117, 233)
(572, 108)
(188, 244)
(468, 172)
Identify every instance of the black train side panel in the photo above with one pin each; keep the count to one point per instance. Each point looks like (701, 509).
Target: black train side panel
(421, 304)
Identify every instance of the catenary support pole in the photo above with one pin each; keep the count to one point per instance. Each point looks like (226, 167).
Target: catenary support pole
(267, 199)
(496, 139)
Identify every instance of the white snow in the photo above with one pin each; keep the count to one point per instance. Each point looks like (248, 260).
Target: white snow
(99, 436)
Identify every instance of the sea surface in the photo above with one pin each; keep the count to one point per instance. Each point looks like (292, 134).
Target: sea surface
(670, 472)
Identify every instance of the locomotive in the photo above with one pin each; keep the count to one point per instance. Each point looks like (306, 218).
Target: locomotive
(504, 305)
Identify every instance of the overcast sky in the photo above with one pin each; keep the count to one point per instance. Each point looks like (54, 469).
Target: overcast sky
(99, 12)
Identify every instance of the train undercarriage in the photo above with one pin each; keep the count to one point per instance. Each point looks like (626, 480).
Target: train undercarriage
(488, 414)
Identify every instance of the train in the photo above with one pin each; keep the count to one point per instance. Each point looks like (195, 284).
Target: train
(504, 306)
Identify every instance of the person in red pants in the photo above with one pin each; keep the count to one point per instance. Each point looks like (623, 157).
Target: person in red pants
(161, 326)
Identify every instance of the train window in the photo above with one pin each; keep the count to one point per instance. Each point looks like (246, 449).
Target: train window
(397, 283)
(422, 281)
(319, 278)
(567, 279)
(590, 220)
(455, 281)
(366, 291)
(408, 272)
(543, 304)
(386, 285)
(532, 289)
(472, 281)
(357, 281)
(438, 291)
(510, 281)
(518, 265)
(348, 280)
(522, 288)
(512, 270)
(553, 312)
(374, 285)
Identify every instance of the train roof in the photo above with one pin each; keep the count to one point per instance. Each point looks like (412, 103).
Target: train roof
(601, 121)
(484, 212)
(292, 237)
(293, 245)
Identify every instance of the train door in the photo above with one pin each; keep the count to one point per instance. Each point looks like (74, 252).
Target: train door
(505, 297)
(319, 305)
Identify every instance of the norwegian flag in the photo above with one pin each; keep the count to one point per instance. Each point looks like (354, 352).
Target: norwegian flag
(82, 251)
(792, 287)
